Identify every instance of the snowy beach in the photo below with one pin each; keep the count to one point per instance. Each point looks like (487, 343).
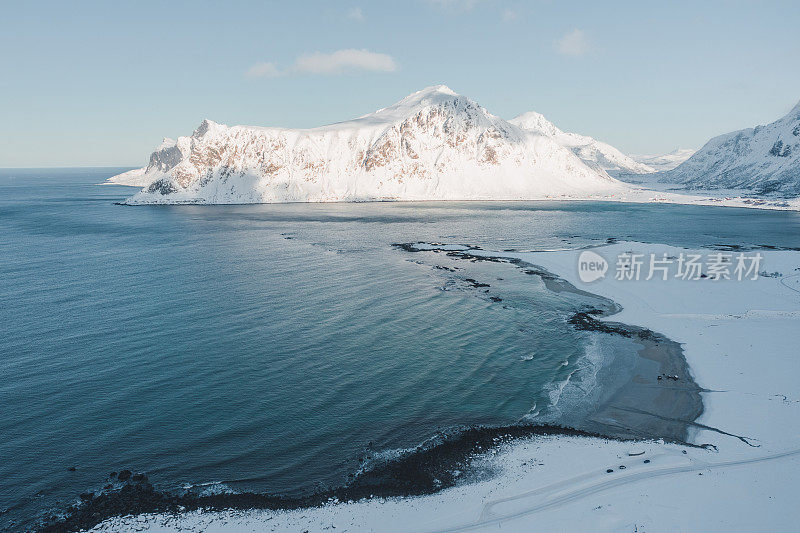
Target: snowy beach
(739, 339)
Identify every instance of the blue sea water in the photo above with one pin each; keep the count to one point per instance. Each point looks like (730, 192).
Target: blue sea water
(269, 347)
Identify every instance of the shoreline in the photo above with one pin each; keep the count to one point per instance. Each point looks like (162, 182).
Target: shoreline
(791, 204)
(647, 395)
(739, 339)
(428, 469)
(640, 407)
(632, 193)
(660, 399)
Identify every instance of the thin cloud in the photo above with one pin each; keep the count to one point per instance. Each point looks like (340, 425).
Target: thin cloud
(338, 62)
(463, 5)
(344, 61)
(355, 13)
(509, 15)
(573, 43)
(263, 70)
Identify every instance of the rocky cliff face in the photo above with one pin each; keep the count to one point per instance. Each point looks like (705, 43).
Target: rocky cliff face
(432, 145)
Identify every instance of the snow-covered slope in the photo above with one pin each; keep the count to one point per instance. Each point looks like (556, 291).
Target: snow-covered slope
(764, 159)
(597, 155)
(662, 162)
(165, 157)
(432, 145)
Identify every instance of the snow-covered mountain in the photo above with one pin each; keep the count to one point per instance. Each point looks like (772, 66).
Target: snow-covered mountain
(162, 160)
(432, 145)
(595, 154)
(662, 162)
(764, 159)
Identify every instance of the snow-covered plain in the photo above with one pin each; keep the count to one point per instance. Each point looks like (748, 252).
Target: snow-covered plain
(740, 339)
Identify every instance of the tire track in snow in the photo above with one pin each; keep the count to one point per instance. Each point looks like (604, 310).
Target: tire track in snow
(576, 488)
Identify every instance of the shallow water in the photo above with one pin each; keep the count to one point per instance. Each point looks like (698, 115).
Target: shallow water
(268, 347)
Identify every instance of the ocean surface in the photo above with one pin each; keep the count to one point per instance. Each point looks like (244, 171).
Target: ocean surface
(280, 347)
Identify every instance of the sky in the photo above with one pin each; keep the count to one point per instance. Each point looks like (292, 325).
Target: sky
(101, 83)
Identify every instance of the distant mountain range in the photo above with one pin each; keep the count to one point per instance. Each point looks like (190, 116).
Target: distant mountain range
(432, 145)
(764, 160)
(662, 162)
(438, 145)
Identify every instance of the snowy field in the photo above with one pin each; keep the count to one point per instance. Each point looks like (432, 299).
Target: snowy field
(740, 339)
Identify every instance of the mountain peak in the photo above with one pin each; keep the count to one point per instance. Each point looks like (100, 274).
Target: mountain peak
(166, 142)
(434, 95)
(536, 122)
(204, 126)
(597, 155)
(428, 96)
(437, 89)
